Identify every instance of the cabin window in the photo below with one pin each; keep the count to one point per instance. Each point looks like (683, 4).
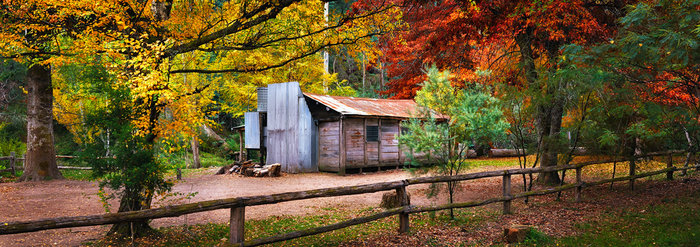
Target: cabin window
(372, 134)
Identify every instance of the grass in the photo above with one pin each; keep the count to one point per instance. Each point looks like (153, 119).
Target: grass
(675, 222)
(82, 175)
(495, 162)
(210, 160)
(216, 234)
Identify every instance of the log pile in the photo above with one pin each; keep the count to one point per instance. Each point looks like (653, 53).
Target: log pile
(251, 169)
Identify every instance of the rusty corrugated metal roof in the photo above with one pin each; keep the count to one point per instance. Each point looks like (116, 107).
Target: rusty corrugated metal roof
(401, 108)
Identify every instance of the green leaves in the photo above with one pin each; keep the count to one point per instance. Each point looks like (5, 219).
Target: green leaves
(473, 118)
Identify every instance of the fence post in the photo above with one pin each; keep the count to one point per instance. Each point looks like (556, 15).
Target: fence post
(506, 193)
(403, 216)
(633, 167)
(237, 226)
(179, 173)
(12, 163)
(579, 184)
(687, 163)
(669, 174)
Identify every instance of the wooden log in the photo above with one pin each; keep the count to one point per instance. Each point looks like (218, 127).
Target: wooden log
(422, 209)
(641, 175)
(661, 153)
(579, 151)
(669, 174)
(178, 210)
(633, 167)
(471, 176)
(687, 168)
(499, 173)
(328, 228)
(74, 168)
(579, 184)
(507, 152)
(516, 233)
(241, 144)
(545, 191)
(404, 224)
(527, 194)
(66, 157)
(237, 225)
(506, 194)
(696, 167)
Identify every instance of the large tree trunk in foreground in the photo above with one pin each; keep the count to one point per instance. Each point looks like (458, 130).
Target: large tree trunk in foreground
(41, 155)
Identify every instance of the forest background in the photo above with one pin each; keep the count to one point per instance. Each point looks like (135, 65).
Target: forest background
(146, 81)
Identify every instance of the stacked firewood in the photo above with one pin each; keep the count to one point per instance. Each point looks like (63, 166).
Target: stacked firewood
(249, 168)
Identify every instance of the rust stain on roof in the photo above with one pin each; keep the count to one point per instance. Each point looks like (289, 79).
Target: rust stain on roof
(401, 108)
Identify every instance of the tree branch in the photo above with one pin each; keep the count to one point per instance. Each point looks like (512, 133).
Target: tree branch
(273, 66)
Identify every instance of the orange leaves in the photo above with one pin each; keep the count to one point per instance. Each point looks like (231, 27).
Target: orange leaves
(468, 37)
(666, 92)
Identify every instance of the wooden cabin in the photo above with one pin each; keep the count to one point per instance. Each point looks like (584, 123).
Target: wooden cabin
(370, 129)
(309, 132)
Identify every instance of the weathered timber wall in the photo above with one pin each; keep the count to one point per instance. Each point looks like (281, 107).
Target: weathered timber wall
(388, 135)
(361, 153)
(354, 132)
(329, 146)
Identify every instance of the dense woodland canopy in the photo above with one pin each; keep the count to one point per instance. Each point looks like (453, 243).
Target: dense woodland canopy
(139, 80)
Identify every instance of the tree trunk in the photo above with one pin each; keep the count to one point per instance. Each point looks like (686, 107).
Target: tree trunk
(550, 135)
(451, 190)
(133, 199)
(212, 134)
(195, 153)
(549, 114)
(40, 160)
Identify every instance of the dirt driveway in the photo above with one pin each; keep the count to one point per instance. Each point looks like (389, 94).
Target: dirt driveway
(36, 200)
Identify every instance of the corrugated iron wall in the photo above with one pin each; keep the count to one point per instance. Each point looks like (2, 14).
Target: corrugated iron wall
(252, 130)
(291, 130)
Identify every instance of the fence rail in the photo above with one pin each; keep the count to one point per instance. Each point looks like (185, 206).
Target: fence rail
(14, 166)
(237, 205)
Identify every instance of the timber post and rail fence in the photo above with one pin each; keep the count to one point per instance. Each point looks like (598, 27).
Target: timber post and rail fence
(237, 205)
(14, 163)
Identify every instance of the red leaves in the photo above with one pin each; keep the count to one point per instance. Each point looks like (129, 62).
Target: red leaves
(453, 34)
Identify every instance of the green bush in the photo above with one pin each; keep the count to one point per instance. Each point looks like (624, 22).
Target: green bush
(11, 145)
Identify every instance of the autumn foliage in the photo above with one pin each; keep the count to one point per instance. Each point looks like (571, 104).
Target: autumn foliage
(467, 36)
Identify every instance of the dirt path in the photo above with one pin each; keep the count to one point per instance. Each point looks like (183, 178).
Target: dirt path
(36, 200)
